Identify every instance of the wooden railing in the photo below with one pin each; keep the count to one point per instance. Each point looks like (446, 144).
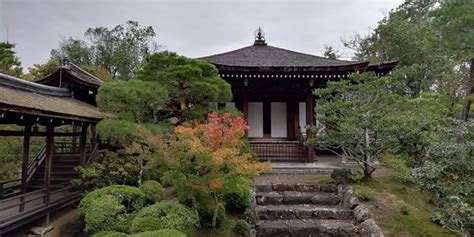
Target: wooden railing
(93, 154)
(69, 147)
(278, 150)
(11, 187)
(26, 205)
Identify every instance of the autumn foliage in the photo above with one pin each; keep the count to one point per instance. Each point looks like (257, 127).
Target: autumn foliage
(208, 160)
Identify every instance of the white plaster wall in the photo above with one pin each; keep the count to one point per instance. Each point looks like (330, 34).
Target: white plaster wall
(278, 119)
(302, 115)
(255, 119)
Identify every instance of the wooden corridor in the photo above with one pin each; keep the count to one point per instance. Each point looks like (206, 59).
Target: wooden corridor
(24, 208)
(52, 113)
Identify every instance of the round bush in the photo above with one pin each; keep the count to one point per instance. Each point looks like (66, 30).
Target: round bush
(110, 208)
(164, 215)
(241, 227)
(153, 190)
(160, 233)
(110, 234)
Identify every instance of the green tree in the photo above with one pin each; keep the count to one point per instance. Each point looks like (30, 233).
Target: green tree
(9, 63)
(134, 100)
(329, 52)
(123, 49)
(454, 20)
(353, 116)
(120, 51)
(191, 84)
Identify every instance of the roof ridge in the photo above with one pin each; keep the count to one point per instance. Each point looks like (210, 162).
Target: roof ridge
(85, 72)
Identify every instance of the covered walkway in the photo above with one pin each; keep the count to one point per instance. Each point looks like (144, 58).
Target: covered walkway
(44, 184)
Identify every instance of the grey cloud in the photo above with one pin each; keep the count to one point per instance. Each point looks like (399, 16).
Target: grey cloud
(192, 28)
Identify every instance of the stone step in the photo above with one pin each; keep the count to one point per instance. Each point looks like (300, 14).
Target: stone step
(307, 228)
(302, 211)
(295, 197)
(299, 171)
(300, 187)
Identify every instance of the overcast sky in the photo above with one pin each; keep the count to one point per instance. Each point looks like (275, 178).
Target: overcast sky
(192, 28)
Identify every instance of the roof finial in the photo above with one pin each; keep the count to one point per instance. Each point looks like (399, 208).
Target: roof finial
(259, 37)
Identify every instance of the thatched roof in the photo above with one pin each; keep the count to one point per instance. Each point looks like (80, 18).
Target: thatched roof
(36, 99)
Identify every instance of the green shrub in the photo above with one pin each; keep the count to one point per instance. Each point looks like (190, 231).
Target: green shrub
(160, 233)
(153, 190)
(110, 168)
(110, 234)
(105, 213)
(110, 208)
(157, 233)
(237, 201)
(402, 173)
(241, 227)
(326, 180)
(164, 215)
(365, 194)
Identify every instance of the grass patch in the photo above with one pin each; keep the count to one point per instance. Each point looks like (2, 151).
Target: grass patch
(365, 194)
(401, 209)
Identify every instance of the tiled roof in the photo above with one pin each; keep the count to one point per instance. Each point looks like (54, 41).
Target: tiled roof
(262, 55)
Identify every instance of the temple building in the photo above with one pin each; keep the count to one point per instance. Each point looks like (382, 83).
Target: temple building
(273, 87)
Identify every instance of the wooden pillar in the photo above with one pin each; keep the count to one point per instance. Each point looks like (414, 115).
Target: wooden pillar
(82, 144)
(94, 135)
(48, 162)
(245, 105)
(309, 123)
(74, 138)
(291, 110)
(24, 166)
(245, 109)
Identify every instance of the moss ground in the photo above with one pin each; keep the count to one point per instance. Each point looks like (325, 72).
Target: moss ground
(400, 209)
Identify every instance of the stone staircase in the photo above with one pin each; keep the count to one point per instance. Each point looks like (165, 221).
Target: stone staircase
(302, 210)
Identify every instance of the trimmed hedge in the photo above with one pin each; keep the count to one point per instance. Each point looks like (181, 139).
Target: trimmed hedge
(111, 208)
(153, 190)
(157, 233)
(164, 215)
(109, 234)
(160, 233)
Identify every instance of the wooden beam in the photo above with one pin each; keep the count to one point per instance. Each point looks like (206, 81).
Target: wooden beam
(24, 165)
(9, 133)
(309, 123)
(48, 162)
(82, 144)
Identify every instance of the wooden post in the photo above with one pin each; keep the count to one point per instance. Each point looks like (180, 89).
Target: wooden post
(309, 123)
(74, 138)
(94, 135)
(245, 109)
(48, 161)
(82, 144)
(24, 166)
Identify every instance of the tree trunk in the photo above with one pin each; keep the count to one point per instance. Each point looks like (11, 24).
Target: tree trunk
(368, 169)
(470, 83)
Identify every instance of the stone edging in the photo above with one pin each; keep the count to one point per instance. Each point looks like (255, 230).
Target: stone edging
(366, 226)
